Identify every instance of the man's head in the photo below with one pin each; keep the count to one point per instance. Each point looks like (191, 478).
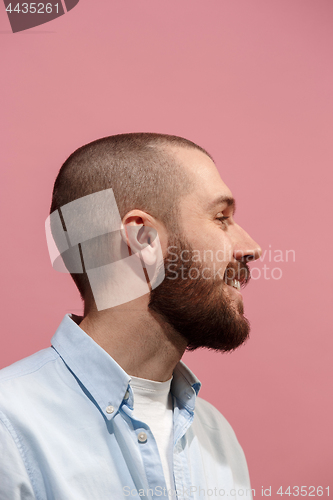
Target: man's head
(141, 171)
(171, 185)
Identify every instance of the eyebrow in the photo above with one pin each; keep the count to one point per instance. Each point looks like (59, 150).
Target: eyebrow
(222, 199)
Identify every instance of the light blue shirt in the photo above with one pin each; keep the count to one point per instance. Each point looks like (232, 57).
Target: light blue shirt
(67, 431)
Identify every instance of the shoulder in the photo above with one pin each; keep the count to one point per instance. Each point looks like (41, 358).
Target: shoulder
(210, 416)
(27, 366)
(213, 429)
(215, 426)
(28, 377)
(23, 386)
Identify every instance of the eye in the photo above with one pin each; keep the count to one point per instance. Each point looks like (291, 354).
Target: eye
(223, 219)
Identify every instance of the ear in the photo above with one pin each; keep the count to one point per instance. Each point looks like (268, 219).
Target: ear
(142, 239)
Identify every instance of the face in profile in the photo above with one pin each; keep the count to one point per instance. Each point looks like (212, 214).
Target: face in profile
(200, 298)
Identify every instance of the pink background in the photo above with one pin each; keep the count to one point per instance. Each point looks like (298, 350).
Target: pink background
(249, 80)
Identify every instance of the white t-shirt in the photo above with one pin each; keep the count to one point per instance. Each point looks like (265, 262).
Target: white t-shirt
(153, 406)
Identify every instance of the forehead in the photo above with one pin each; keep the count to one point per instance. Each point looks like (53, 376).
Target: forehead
(208, 185)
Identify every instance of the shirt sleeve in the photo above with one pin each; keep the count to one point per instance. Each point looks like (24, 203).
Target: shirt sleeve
(14, 480)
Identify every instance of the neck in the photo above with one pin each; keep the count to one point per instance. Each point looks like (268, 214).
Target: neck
(137, 339)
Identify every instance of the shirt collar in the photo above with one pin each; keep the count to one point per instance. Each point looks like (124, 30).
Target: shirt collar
(101, 375)
(185, 386)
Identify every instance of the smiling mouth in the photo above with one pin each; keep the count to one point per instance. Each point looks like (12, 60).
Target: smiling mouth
(241, 280)
(235, 284)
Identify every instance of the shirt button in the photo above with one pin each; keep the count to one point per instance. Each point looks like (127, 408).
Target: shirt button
(142, 437)
(109, 409)
(126, 395)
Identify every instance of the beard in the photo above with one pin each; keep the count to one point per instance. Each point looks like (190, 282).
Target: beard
(196, 304)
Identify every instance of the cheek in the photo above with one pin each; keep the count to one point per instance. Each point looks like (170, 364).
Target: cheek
(214, 249)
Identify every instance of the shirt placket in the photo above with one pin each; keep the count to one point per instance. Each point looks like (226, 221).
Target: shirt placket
(182, 475)
(152, 464)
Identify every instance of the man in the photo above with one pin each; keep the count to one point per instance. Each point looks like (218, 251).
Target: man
(110, 411)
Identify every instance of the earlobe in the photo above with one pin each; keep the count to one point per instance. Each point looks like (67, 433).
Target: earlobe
(130, 235)
(143, 242)
(141, 238)
(152, 259)
(148, 251)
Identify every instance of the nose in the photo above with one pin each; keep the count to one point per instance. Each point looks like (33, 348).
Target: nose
(245, 248)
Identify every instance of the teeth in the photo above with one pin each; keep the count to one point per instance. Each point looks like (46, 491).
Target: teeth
(235, 284)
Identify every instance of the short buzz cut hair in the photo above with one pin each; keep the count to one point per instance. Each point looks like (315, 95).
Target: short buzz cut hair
(142, 172)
